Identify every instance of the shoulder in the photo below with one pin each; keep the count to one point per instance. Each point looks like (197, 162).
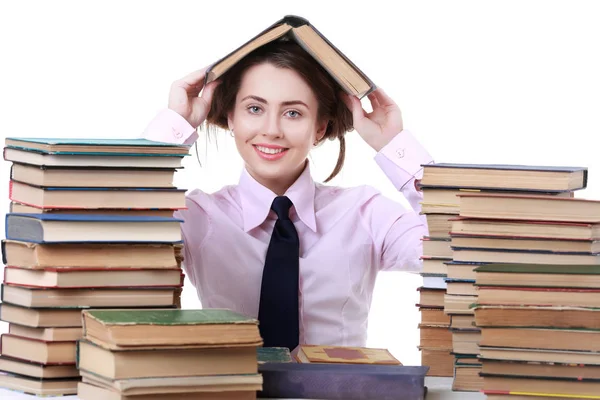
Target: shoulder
(198, 201)
(359, 198)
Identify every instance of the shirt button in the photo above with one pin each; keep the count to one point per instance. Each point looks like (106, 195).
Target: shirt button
(176, 133)
(400, 153)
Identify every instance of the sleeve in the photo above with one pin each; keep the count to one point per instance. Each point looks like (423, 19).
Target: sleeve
(402, 161)
(397, 231)
(170, 127)
(195, 229)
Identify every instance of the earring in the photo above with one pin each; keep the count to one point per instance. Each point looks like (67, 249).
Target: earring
(231, 133)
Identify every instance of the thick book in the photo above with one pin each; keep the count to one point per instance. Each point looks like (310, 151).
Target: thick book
(46, 298)
(141, 364)
(534, 387)
(37, 370)
(177, 384)
(113, 329)
(530, 208)
(93, 277)
(504, 176)
(342, 381)
(88, 255)
(135, 146)
(39, 387)
(38, 351)
(539, 355)
(300, 30)
(537, 317)
(40, 158)
(96, 197)
(40, 317)
(537, 296)
(92, 176)
(80, 228)
(516, 229)
(543, 275)
(86, 391)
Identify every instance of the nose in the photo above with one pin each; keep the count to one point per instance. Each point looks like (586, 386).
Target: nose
(272, 126)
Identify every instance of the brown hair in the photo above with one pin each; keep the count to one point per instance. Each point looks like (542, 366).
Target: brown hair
(288, 54)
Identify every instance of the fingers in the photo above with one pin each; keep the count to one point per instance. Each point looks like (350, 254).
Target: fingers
(374, 101)
(193, 81)
(382, 98)
(209, 90)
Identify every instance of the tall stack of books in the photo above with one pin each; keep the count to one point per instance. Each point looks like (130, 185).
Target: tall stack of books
(168, 354)
(537, 307)
(454, 181)
(435, 341)
(90, 226)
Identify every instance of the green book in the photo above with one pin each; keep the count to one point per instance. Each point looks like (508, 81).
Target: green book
(273, 355)
(540, 269)
(169, 317)
(115, 329)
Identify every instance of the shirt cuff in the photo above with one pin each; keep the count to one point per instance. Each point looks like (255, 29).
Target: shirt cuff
(170, 127)
(406, 156)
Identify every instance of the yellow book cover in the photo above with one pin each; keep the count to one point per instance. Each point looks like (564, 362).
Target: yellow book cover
(344, 355)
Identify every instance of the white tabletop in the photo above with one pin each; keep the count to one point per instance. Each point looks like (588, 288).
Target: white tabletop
(438, 389)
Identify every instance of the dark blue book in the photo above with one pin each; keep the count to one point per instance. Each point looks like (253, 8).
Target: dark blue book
(84, 228)
(342, 381)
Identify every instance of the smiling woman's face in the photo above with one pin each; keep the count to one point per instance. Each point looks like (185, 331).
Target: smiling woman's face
(275, 124)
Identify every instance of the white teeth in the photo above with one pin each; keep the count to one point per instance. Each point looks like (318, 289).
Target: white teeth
(268, 150)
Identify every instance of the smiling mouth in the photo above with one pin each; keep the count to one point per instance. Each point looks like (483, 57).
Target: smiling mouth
(268, 150)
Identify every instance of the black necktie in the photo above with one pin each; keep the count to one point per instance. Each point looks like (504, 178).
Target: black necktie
(278, 310)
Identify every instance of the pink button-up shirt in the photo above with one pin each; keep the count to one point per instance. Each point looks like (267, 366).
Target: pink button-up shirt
(347, 235)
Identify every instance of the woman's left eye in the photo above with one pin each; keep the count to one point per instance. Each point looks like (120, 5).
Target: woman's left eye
(296, 113)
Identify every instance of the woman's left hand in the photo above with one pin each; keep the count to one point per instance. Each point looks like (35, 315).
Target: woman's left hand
(380, 126)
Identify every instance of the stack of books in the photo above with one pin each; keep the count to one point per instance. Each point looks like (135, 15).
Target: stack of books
(90, 226)
(537, 307)
(168, 354)
(435, 339)
(449, 183)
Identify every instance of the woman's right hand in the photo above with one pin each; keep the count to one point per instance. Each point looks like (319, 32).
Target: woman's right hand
(184, 100)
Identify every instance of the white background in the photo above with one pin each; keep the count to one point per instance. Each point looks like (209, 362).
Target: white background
(477, 81)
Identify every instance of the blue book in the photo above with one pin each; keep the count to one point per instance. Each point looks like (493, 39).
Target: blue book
(92, 228)
(104, 146)
(342, 381)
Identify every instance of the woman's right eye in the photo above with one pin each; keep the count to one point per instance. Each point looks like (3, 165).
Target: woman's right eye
(253, 109)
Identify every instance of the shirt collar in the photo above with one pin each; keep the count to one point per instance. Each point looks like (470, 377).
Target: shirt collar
(257, 199)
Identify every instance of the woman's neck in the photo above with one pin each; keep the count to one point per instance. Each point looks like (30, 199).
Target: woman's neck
(281, 184)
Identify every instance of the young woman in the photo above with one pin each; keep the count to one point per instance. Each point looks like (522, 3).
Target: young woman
(300, 256)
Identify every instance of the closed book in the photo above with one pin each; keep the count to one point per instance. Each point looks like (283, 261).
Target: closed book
(135, 146)
(86, 391)
(504, 176)
(177, 384)
(39, 387)
(88, 255)
(92, 277)
(43, 176)
(342, 381)
(77, 298)
(344, 355)
(63, 228)
(137, 328)
(97, 159)
(96, 197)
